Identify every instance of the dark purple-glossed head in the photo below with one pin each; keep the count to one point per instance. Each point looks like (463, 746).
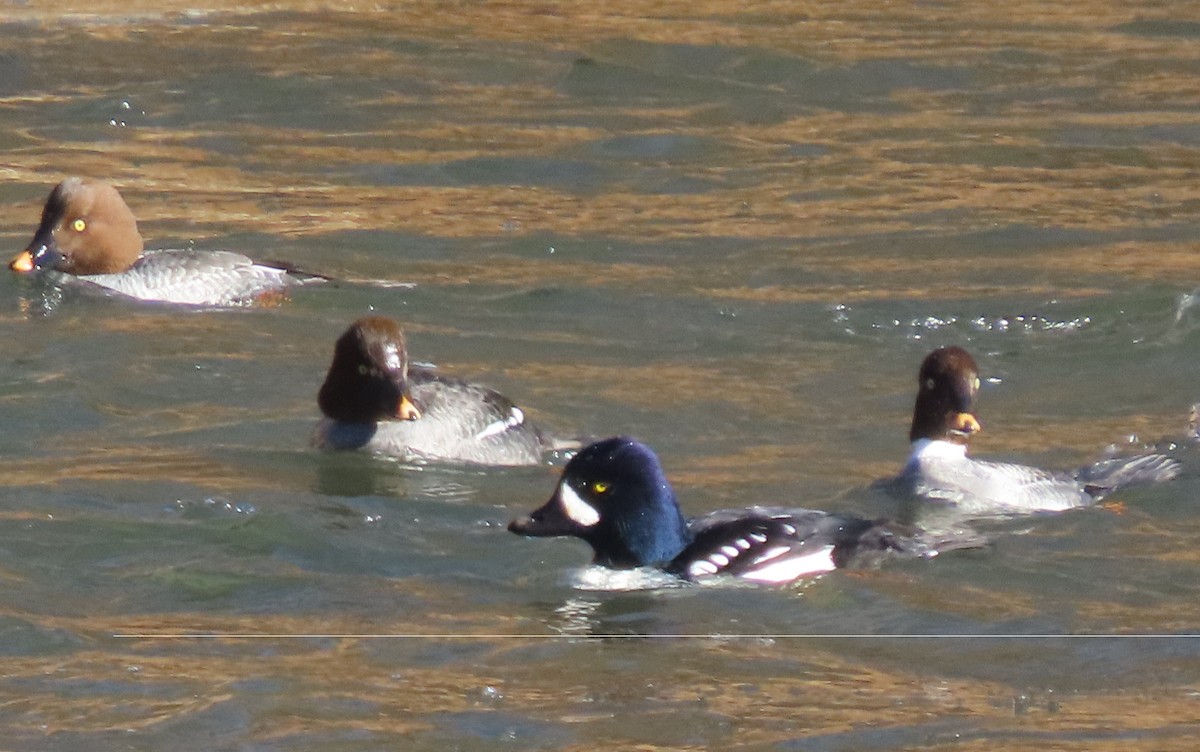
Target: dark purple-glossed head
(946, 388)
(615, 496)
(86, 228)
(368, 379)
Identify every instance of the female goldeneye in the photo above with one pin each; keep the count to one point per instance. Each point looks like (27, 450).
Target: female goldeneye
(373, 400)
(939, 469)
(88, 234)
(614, 495)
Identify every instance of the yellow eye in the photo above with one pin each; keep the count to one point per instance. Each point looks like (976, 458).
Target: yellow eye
(599, 487)
(79, 225)
(976, 383)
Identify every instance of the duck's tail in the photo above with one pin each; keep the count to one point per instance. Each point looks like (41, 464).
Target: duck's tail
(296, 274)
(878, 538)
(929, 543)
(1106, 476)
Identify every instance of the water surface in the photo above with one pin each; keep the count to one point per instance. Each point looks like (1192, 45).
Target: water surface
(732, 230)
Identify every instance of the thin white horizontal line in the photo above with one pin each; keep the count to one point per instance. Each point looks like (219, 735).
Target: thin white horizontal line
(574, 636)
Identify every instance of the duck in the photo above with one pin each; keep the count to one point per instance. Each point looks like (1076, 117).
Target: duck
(375, 400)
(940, 470)
(89, 235)
(614, 495)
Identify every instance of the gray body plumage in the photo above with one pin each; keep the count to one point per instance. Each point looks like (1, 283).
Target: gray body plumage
(940, 471)
(192, 277)
(459, 421)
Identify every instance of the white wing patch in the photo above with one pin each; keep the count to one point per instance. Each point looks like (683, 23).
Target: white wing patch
(515, 418)
(772, 553)
(701, 567)
(772, 566)
(719, 559)
(787, 568)
(576, 509)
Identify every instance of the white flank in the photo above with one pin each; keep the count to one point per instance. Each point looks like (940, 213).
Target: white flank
(786, 569)
(575, 508)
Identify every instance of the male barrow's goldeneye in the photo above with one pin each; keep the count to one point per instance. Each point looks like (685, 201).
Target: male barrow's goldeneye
(939, 469)
(88, 234)
(614, 495)
(373, 400)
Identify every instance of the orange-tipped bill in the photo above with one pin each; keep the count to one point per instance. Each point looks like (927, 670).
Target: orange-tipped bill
(22, 262)
(964, 424)
(406, 410)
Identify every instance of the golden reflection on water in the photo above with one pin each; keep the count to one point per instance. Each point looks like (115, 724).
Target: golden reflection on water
(1031, 433)
(668, 383)
(114, 462)
(161, 682)
(939, 154)
(881, 168)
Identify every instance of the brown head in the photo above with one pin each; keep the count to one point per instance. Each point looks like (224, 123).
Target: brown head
(86, 229)
(946, 388)
(368, 379)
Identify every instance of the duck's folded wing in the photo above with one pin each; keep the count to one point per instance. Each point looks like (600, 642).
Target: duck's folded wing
(982, 487)
(768, 544)
(1106, 476)
(193, 277)
(475, 412)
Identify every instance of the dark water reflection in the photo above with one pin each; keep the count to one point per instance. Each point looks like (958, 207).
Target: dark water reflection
(730, 229)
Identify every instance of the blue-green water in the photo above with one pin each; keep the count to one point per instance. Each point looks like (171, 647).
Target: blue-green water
(733, 231)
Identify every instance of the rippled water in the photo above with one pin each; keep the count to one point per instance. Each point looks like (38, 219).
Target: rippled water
(730, 229)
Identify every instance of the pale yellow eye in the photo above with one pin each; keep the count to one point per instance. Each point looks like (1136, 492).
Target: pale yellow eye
(599, 487)
(976, 383)
(79, 225)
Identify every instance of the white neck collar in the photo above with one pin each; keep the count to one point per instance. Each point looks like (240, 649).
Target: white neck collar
(922, 449)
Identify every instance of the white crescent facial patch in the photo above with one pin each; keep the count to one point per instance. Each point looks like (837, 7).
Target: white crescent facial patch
(576, 509)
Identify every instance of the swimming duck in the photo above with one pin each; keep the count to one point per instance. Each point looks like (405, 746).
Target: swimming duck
(938, 468)
(88, 234)
(373, 399)
(615, 496)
